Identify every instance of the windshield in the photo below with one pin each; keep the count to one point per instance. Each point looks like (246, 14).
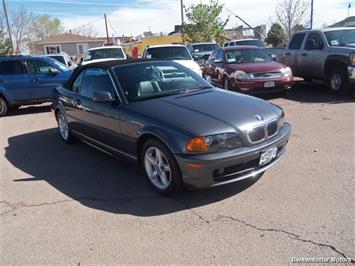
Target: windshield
(58, 58)
(340, 37)
(257, 43)
(198, 48)
(105, 53)
(169, 52)
(247, 56)
(142, 81)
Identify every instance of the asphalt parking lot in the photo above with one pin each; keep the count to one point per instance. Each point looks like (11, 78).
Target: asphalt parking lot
(70, 204)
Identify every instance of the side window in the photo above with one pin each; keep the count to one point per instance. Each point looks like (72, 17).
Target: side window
(94, 80)
(77, 83)
(314, 41)
(296, 41)
(38, 67)
(11, 68)
(231, 44)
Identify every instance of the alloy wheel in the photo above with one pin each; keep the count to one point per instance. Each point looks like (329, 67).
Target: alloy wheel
(157, 168)
(336, 82)
(63, 127)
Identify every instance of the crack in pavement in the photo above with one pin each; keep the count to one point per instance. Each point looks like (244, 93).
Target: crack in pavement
(20, 205)
(15, 206)
(289, 234)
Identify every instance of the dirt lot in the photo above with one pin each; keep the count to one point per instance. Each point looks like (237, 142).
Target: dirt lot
(70, 204)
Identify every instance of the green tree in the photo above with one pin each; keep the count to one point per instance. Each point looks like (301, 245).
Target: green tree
(5, 46)
(44, 26)
(276, 35)
(204, 23)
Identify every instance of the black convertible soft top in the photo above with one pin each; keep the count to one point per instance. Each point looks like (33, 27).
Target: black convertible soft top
(103, 64)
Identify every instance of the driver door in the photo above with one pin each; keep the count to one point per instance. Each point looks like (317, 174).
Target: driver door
(98, 121)
(312, 57)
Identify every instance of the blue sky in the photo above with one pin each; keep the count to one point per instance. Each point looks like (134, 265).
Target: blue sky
(135, 16)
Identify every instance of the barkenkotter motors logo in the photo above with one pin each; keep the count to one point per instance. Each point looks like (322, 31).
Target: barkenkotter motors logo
(320, 260)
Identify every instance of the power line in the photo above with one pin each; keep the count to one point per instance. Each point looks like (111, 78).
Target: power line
(87, 24)
(246, 23)
(112, 28)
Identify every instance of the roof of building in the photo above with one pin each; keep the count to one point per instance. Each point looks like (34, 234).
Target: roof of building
(67, 38)
(348, 22)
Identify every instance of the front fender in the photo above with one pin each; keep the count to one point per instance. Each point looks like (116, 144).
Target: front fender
(173, 140)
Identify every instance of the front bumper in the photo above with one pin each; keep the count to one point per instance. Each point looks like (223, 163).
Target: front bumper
(238, 164)
(258, 85)
(351, 73)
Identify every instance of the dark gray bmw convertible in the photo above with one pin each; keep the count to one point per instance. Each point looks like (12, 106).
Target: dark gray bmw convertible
(178, 127)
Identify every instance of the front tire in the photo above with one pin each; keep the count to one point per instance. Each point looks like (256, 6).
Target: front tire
(63, 127)
(3, 107)
(338, 81)
(161, 168)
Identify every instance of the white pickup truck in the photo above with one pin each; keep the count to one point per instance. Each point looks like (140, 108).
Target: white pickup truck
(326, 54)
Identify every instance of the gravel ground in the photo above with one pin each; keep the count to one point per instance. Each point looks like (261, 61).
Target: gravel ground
(69, 204)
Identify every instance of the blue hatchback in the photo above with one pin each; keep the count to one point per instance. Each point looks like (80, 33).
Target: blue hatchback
(27, 80)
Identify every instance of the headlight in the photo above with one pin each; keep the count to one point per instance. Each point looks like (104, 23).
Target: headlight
(213, 143)
(242, 75)
(281, 121)
(352, 59)
(286, 72)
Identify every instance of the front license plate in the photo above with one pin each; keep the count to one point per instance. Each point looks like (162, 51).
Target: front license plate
(269, 84)
(268, 155)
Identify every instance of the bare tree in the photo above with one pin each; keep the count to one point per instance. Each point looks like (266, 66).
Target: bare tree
(87, 31)
(291, 13)
(20, 24)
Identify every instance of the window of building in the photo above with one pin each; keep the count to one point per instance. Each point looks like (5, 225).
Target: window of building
(52, 49)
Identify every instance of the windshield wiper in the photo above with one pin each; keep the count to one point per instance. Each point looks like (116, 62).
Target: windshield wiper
(193, 89)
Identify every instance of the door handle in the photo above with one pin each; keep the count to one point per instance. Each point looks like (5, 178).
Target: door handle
(304, 54)
(35, 79)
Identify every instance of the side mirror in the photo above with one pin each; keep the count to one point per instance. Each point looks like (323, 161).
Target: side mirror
(273, 57)
(103, 97)
(53, 71)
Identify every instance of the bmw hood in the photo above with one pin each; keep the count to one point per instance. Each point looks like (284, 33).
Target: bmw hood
(210, 111)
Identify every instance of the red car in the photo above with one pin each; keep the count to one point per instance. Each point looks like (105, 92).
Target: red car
(247, 69)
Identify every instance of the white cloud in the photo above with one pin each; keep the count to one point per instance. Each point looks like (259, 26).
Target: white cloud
(162, 15)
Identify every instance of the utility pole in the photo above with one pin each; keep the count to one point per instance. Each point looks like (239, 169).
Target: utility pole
(8, 26)
(349, 6)
(107, 37)
(182, 20)
(311, 24)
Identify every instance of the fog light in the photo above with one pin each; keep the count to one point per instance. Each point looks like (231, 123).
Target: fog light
(220, 171)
